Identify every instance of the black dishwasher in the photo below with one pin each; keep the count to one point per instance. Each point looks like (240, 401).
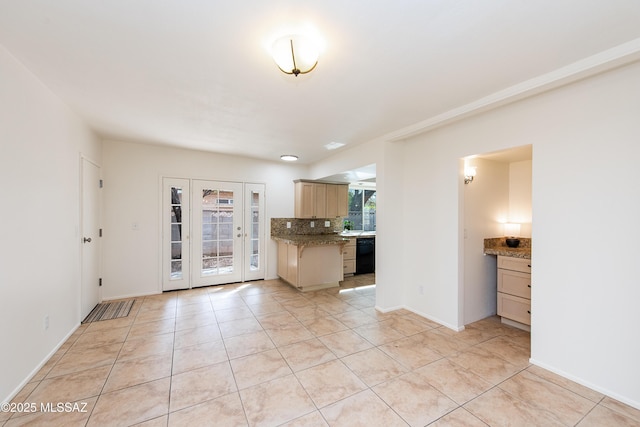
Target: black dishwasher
(365, 255)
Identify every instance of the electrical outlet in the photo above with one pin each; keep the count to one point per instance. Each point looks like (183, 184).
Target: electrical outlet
(327, 223)
(46, 322)
(288, 224)
(313, 224)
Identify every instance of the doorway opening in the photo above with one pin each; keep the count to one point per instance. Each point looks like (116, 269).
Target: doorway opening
(500, 193)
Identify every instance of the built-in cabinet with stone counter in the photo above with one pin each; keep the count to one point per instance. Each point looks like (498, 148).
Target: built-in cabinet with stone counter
(315, 199)
(513, 281)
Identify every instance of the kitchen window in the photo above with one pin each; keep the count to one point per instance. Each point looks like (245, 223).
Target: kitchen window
(362, 209)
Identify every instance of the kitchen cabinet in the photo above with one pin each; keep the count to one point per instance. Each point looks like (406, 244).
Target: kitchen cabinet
(337, 200)
(514, 290)
(310, 267)
(349, 258)
(320, 200)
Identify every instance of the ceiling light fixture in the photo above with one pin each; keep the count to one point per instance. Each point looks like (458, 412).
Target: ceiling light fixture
(289, 157)
(295, 54)
(333, 145)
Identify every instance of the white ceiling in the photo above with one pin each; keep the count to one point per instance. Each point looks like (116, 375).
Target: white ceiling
(196, 73)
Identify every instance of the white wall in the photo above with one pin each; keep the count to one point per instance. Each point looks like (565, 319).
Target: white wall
(486, 203)
(41, 142)
(520, 196)
(132, 177)
(585, 207)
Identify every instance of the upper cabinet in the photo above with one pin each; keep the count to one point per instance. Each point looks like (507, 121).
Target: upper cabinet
(337, 200)
(320, 200)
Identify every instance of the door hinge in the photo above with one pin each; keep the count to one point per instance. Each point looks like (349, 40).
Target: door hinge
(100, 183)
(100, 281)
(100, 232)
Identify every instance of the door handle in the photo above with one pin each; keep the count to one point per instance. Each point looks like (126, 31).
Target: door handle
(86, 240)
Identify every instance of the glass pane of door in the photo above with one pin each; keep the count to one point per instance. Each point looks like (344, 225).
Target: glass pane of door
(254, 232)
(175, 243)
(217, 232)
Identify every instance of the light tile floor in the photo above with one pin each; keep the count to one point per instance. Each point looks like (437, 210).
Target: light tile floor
(264, 354)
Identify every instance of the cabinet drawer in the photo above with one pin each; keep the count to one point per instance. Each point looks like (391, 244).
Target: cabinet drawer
(514, 283)
(349, 266)
(349, 252)
(515, 264)
(514, 308)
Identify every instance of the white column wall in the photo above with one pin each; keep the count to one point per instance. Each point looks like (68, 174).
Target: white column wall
(585, 233)
(41, 142)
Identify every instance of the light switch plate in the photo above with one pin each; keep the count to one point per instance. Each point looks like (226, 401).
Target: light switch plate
(313, 224)
(327, 223)
(288, 224)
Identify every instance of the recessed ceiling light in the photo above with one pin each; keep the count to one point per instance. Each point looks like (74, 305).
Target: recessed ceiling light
(333, 145)
(288, 157)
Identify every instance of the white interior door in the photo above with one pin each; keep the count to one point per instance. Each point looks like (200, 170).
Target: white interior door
(217, 232)
(176, 216)
(90, 233)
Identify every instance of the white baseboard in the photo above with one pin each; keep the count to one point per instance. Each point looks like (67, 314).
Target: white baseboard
(129, 296)
(433, 319)
(585, 383)
(39, 366)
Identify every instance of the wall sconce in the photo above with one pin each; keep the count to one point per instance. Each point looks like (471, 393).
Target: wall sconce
(469, 174)
(295, 54)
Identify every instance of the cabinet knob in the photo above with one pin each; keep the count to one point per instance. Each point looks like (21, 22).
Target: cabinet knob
(529, 265)
(529, 311)
(528, 286)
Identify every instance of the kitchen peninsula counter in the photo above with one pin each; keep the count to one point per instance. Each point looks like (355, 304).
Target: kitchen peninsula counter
(310, 262)
(311, 239)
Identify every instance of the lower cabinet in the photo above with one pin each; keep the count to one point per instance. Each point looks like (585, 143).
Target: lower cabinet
(349, 258)
(514, 289)
(310, 268)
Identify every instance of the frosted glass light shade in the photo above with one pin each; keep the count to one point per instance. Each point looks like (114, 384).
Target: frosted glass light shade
(512, 229)
(295, 54)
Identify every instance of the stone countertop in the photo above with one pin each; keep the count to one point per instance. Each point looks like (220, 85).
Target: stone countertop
(312, 239)
(498, 246)
(356, 234)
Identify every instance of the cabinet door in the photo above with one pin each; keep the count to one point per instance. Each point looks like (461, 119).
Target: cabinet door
(282, 260)
(320, 198)
(337, 200)
(515, 264)
(514, 308)
(332, 201)
(304, 200)
(292, 264)
(343, 200)
(514, 283)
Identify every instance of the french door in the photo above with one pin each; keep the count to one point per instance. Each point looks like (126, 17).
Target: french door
(213, 232)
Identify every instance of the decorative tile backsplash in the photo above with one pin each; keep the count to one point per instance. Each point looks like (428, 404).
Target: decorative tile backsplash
(303, 226)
